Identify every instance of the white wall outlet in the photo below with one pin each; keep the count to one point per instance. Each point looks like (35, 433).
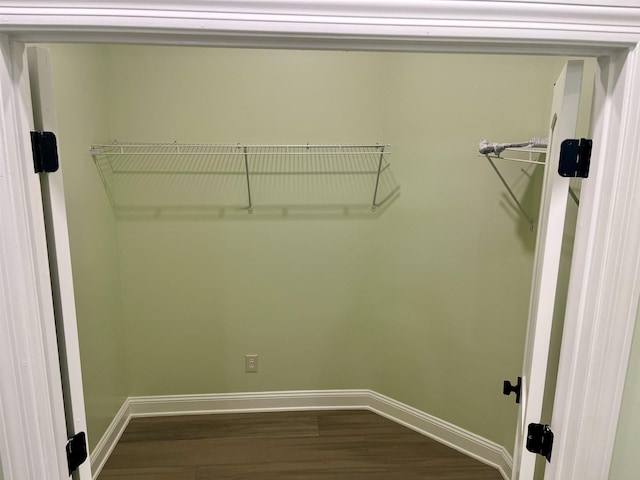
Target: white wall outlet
(251, 363)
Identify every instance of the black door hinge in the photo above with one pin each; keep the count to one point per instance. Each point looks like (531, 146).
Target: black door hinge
(45, 152)
(508, 389)
(575, 158)
(76, 451)
(540, 440)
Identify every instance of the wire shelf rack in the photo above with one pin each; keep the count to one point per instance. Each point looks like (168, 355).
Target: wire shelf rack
(187, 177)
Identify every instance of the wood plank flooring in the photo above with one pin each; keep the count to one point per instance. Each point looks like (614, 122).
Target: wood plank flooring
(333, 445)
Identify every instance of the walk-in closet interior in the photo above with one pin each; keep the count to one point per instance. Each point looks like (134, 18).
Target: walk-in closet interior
(347, 231)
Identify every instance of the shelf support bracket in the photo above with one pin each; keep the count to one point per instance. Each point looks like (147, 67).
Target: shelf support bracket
(513, 196)
(246, 169)
(375, 191)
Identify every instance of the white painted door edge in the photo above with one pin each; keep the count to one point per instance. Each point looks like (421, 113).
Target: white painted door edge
(53, 201)
(553, 207)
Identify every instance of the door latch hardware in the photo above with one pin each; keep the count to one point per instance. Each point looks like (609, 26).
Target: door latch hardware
(575, 158)
(76, 451)
(508, 389)
(540, 440)
(45, 152)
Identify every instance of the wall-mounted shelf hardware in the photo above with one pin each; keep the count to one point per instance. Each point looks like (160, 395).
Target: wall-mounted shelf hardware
(530, 155)
(161, 178)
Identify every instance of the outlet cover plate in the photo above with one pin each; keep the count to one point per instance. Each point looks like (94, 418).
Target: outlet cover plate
(251, 363)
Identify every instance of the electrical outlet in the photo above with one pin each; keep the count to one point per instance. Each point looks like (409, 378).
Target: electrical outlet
(251, 363)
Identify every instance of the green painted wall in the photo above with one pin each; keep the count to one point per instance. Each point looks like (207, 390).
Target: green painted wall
(461, 284)
(80, 82)
(426, 302)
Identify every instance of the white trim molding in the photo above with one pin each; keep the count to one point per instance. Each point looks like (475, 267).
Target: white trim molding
(469, 443)
(443, 432)
(436, 25)
(102, 450)
(605, 284)
(604, 291)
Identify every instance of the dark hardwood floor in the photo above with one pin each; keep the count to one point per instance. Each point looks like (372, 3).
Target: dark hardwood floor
(334, 445)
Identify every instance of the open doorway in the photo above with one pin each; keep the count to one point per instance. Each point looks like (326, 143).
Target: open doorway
(603, 299)
(392, 303)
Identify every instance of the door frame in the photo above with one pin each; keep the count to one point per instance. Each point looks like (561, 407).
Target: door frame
(604, 288)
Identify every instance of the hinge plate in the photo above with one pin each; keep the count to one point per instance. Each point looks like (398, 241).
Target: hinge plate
(540, 440)
(45, 152)
(76, 451)
(575, 158)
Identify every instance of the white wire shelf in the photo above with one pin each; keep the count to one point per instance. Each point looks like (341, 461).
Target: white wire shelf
(532, 155)
(178, 176)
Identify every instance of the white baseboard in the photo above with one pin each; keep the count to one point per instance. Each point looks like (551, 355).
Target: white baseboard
(470, 444)
(451, 435)
(248, 402)
(100, 454)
